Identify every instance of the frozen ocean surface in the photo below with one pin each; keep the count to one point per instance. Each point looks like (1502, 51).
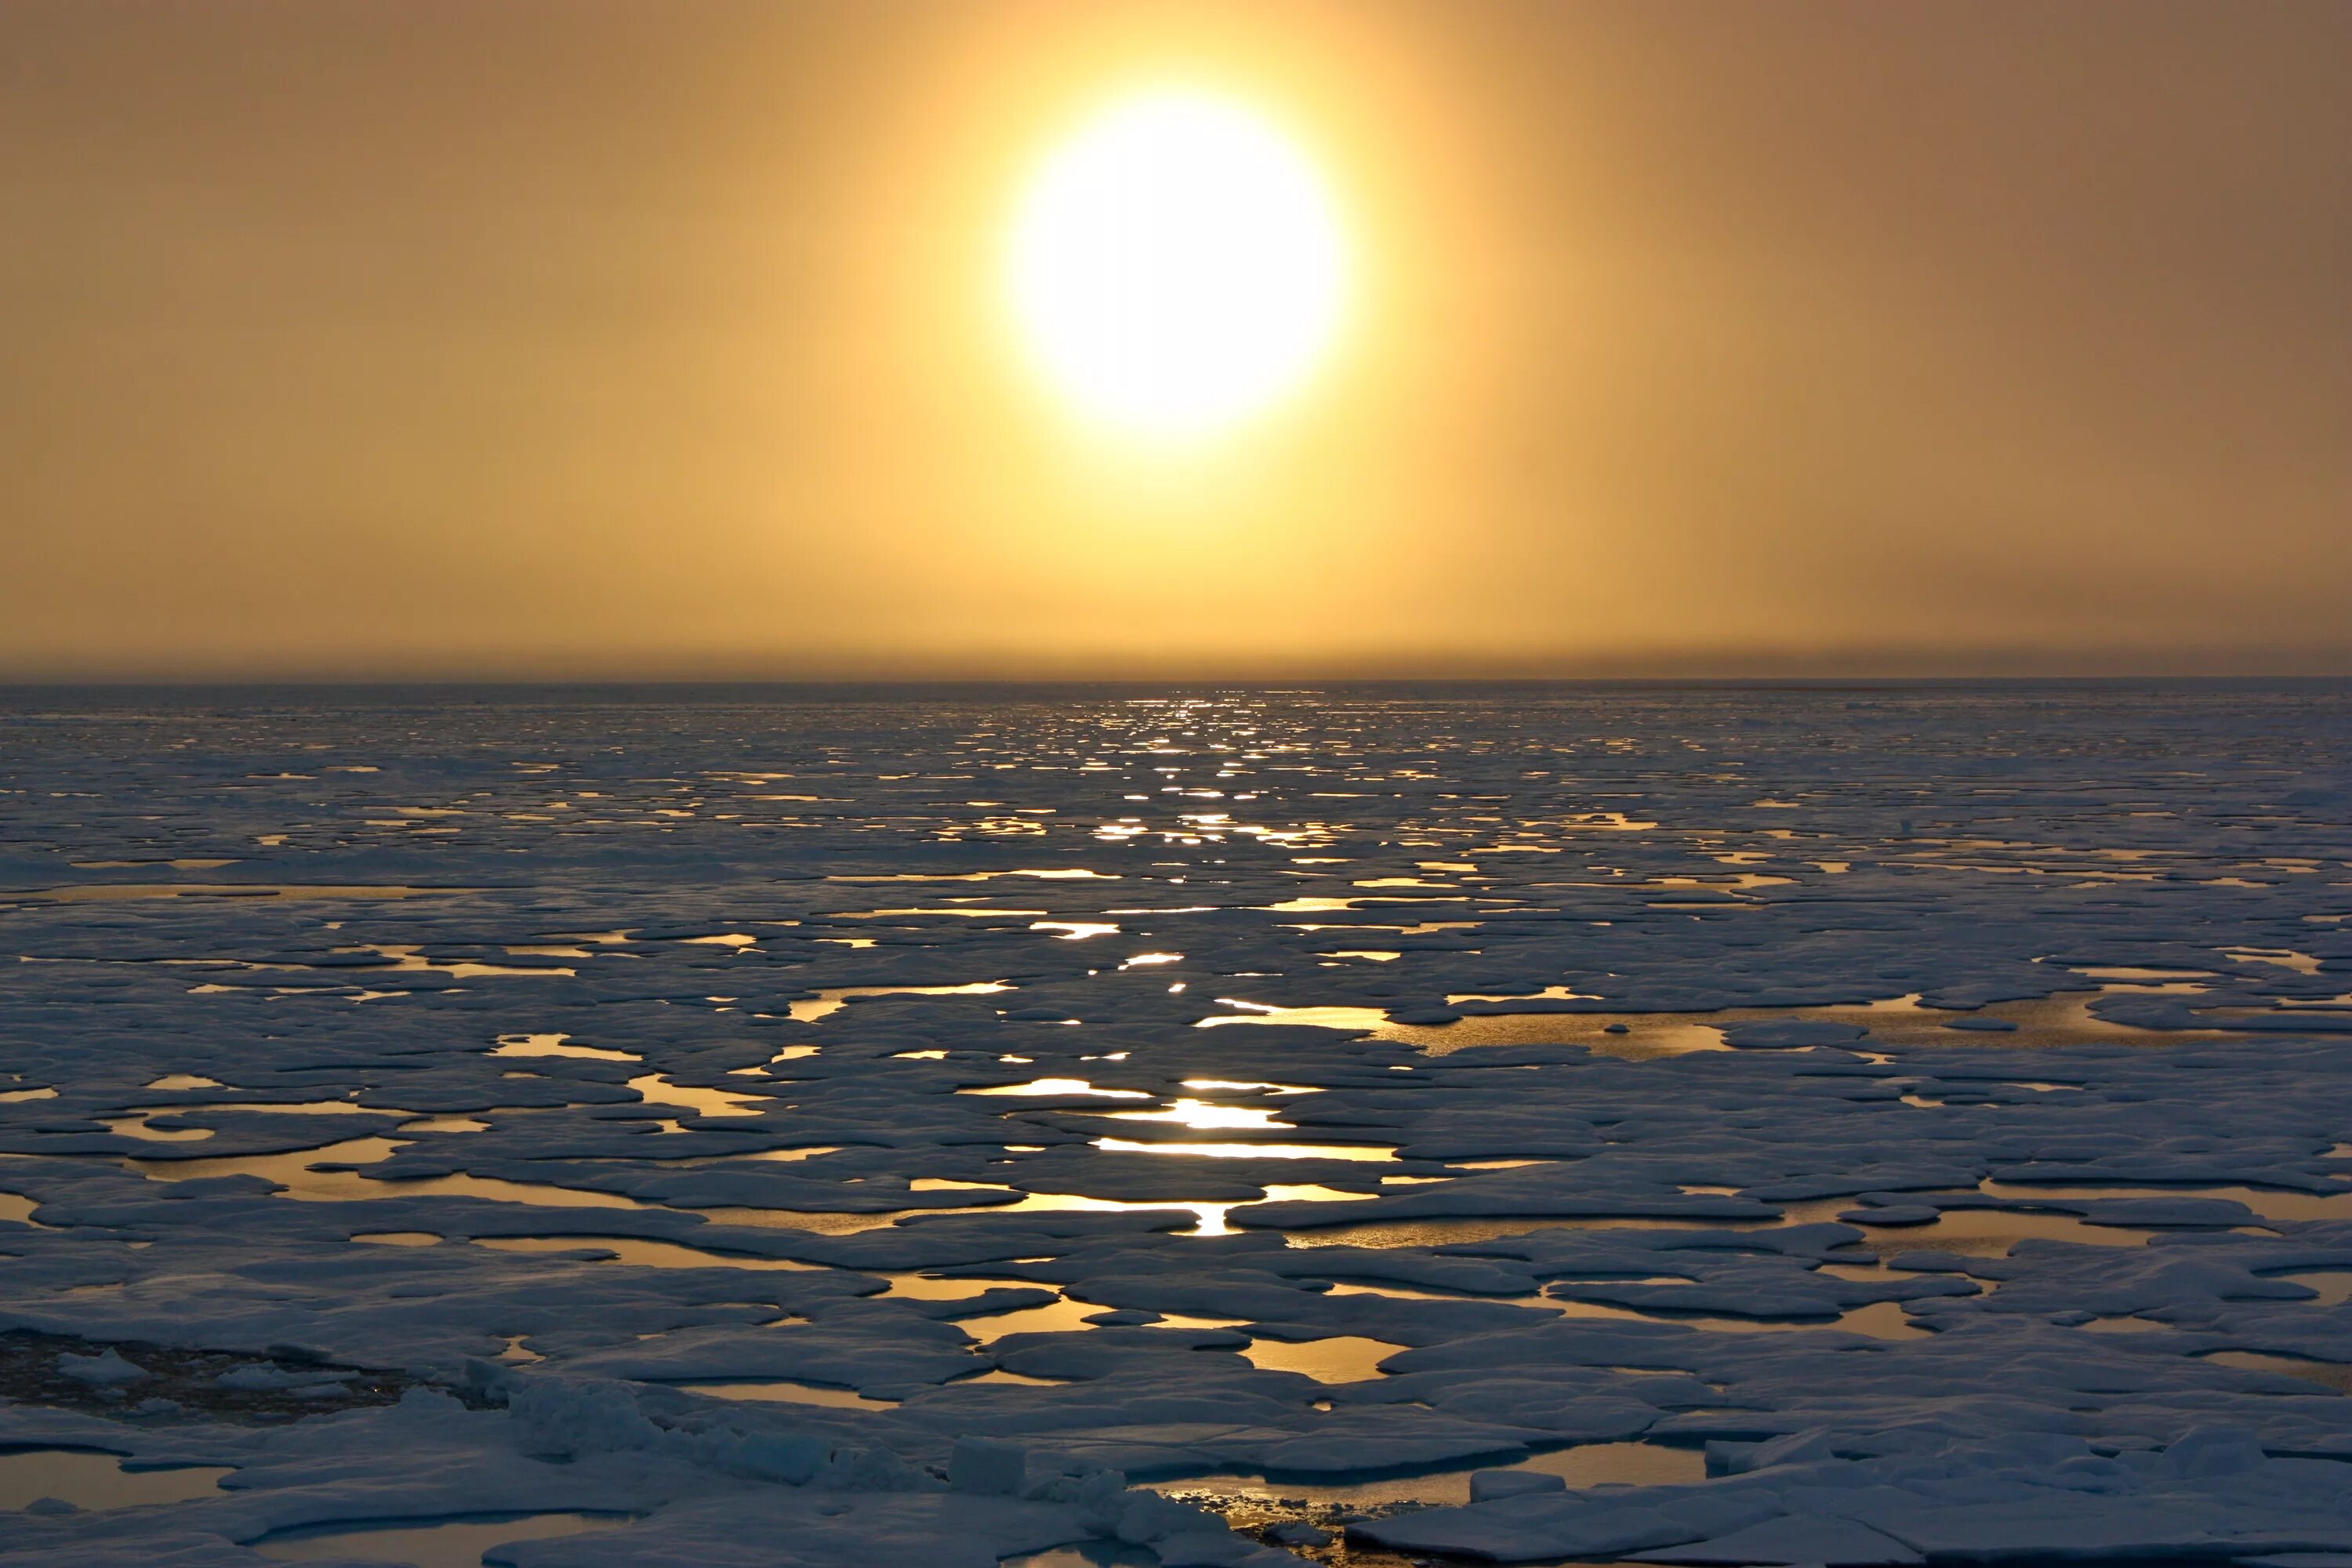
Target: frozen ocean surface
(575, 1127)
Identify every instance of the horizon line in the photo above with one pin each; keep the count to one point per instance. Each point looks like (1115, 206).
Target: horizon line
(1789, 678)
(1003, 665)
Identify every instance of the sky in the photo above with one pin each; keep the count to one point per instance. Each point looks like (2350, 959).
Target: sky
(606, 339)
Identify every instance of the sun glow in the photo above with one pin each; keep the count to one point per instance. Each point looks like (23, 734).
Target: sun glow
(1177, 265)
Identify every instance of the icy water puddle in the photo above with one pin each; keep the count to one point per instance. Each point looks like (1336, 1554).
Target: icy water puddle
(1586, 1465)
(646, 1254)
(1209, 1218)
(2334, 1287)
(1060, 1316)
(2061, 1018)
(1992, 1233)
(2322, 1375)
(1878, 1320)
(1364, 1152)
(137, 1122)
(1975, 1233)
(1343, 1358)
(558, 1046)
(785, 1390)
(832, 1000)
(447, 1544)
(1087, 1554)
(94, 1481)
(299, 1174)
(2268, 1203)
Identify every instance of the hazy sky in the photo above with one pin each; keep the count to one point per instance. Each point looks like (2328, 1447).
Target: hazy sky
(667, 337)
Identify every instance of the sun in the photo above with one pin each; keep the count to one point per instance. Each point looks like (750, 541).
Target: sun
(1177, 265)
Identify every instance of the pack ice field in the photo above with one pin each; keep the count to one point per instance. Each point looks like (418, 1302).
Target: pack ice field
(568, 1128)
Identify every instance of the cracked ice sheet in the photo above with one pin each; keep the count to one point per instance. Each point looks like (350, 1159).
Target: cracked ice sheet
(1817, 1079)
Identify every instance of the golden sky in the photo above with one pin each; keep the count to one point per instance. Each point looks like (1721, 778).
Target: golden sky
(610, 338)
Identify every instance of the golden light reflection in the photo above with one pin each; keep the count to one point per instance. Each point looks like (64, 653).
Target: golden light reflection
(1248, 1151)
(1200, 1115)
(1058, 1086)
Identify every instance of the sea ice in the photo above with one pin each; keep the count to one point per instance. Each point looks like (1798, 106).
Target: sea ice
(1822, 1084)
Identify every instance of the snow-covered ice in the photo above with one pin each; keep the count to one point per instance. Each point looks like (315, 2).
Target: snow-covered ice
(755, 1127)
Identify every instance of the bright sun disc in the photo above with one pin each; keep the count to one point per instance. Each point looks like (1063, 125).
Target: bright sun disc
(1177, 265)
